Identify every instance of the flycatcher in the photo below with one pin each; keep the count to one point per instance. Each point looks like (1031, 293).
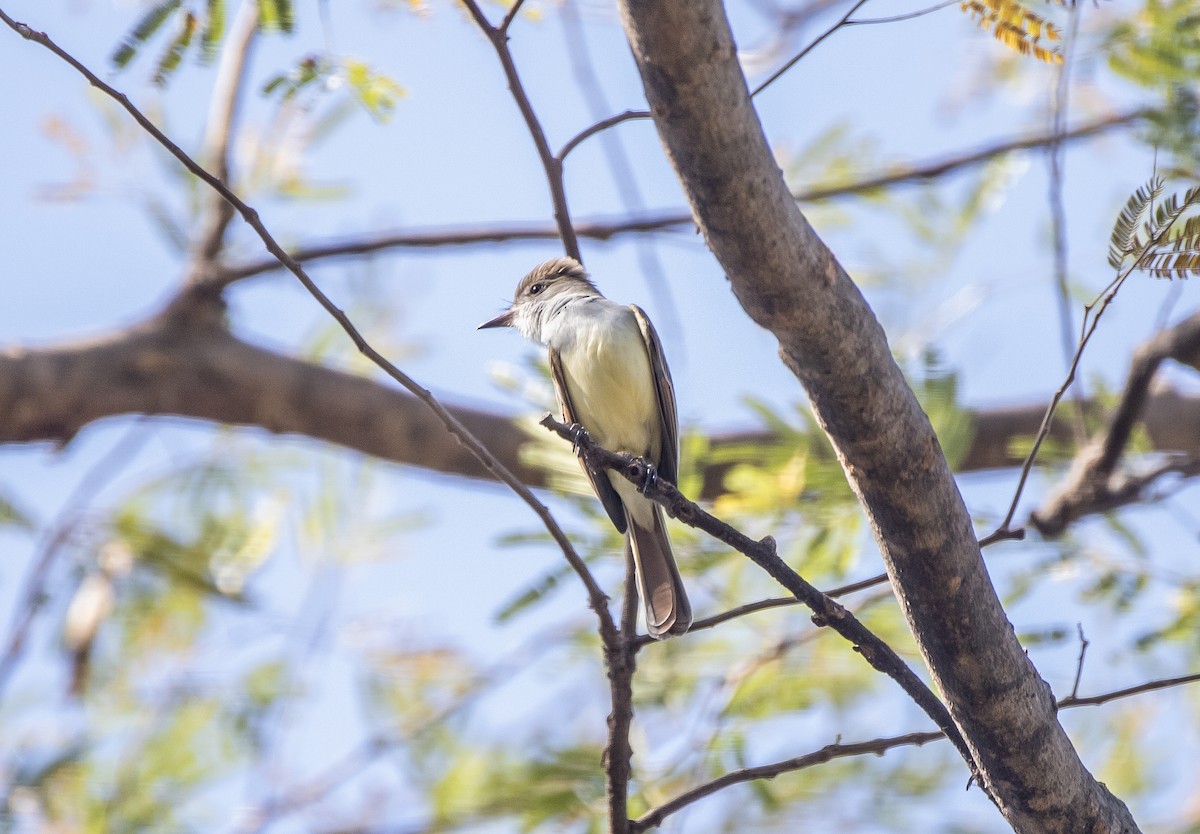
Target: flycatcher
(611, 378)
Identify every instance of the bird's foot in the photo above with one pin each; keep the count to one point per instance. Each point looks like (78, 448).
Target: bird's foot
(650, 477)
(578, 433)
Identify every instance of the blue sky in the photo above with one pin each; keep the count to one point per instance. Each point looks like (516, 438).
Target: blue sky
(456, 154)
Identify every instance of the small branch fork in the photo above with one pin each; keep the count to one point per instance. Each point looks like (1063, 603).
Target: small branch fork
(1092, 313)
(1094, 484)
(498, 36)
(826, 612)
(876, 747)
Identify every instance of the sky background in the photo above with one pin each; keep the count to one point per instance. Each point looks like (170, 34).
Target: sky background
(80, 262)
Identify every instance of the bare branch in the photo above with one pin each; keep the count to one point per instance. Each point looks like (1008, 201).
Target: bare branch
(498, 36)
(875, 747)
(1149, 686)
(596, 597)
(1091, 318)
(509, 16)
(603, 124)
(1083, 647)
(826, 612)
(826, 754)
(868, 21)
(620, 659)
(605, 230)
(795, 59)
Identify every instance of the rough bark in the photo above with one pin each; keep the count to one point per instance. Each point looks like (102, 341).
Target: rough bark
(51, 393)
(173, 365)
(791, 284)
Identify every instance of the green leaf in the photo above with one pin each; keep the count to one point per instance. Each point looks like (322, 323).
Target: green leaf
(375, 91)
(13, 516)
(214, 29)
(170, 60)
(277, 15)
(150, 23)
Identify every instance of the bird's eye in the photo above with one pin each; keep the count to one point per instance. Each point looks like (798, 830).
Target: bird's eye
(536, 288)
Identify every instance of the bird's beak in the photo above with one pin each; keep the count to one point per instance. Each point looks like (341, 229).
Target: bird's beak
(505, 319)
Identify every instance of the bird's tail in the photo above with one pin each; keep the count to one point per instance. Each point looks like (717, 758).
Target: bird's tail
(668, 611)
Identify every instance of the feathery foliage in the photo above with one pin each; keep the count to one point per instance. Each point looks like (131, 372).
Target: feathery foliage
(1016, 26)
(1149, 237)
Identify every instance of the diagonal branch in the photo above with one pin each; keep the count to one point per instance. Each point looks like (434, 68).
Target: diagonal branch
(1094, 484)
(790, 283)
(879, 746)
(876, 747)
(826, 612)
(596, 597)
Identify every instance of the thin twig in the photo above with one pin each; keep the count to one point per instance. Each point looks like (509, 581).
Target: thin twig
(800, 55)
(621, 168)
(603, 124)
(509, 16)
(498, 37)
(826, 612)
(1093, 311)
(1105, 697)
(596, 597)
(875, 747)
(620, 660)
(1058, 218)
(827, 753)
(1083, 647)
(767, 604)
(1092, 481)
(899, 17)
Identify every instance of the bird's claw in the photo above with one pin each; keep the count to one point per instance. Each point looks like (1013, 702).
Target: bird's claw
(650, 477)
(578, 433)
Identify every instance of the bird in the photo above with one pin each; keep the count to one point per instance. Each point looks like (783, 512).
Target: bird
(611, 378)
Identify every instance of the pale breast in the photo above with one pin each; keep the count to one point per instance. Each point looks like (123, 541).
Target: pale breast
(608, 377)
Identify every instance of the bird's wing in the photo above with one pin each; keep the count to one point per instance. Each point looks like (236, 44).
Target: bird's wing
(668, 463)
(601, 485)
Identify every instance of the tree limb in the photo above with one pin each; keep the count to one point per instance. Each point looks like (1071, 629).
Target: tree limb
(826, 612)
(791, 284)
(51, 393)
(1093, 483)
(498, 36)
(877, 747)
(604, 230)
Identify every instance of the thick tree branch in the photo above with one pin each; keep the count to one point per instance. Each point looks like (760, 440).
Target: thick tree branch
(790, 283)
(51, 393)
(604, 230)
